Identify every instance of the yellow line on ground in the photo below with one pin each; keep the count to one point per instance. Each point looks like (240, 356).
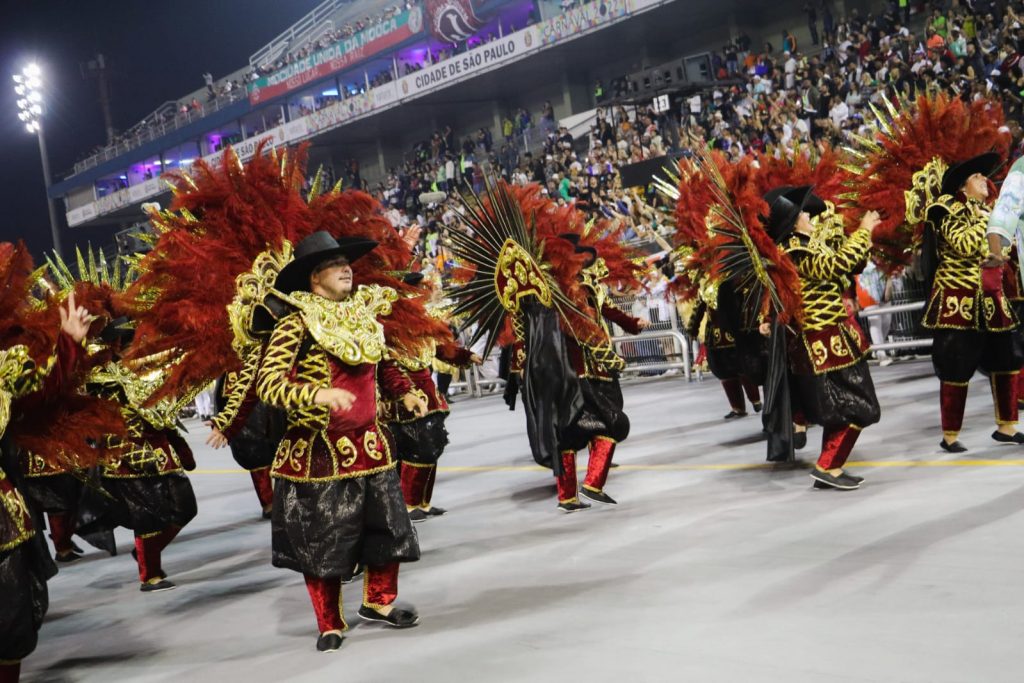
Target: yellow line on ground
(703, 466)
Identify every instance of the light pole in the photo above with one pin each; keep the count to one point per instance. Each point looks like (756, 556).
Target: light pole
(29, 87)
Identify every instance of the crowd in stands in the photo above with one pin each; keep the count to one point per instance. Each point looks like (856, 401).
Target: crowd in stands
(764, 98)
(329, 37)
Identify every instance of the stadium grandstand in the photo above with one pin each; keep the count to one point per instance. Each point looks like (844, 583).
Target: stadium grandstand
(369, 82)
(402, 98)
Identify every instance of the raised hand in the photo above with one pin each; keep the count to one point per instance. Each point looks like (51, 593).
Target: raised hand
(75, 320)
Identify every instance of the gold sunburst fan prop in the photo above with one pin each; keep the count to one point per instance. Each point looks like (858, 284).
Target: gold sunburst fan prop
(500, 244)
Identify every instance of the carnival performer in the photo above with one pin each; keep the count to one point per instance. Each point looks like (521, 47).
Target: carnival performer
(926, 170)
(337, 502)
(597, 366)
(735, 356)
(829, 370)
(153, 496)
(420, 440)
(337, 499)
(24, 563)
(968, 312)
(563, 351)
(32, 346)
(41, 433)
(1004, 240)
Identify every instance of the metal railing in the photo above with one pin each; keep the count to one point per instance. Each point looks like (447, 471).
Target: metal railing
(899, 310)
(655, 353)
(158, 130)
(299, 31)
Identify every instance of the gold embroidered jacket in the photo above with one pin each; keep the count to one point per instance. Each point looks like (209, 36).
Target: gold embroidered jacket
(829, 336)
(965, 296)
(153, 446)
(419, 372)
(327, 344)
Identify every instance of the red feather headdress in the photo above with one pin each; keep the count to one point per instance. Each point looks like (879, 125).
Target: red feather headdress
(906, 140)
(222, 220)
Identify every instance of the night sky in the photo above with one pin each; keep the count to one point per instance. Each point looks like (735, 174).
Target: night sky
(155, 51)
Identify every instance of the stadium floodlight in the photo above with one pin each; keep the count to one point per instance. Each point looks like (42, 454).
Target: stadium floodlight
(31, 108)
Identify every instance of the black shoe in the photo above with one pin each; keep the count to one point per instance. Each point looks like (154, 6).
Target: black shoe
(397, 618)
(157, 586)
(841, 482)
(757, 407)
(853, 477)
(355, 575)
(1017, 438)
(733, 414)
(268, 513)
(955, 447)
(435, 511)
(329, 642)
(68, 557)
(597, 496)
(571, 506)
(799, 440)
(417, 515)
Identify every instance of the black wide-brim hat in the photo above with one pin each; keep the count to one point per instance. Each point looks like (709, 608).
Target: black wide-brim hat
(957, 174)
(120, 330)
(785, 203)
(412, 278)
(314, 250)
(575, 240)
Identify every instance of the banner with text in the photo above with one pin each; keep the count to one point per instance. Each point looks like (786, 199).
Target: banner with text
(582, 19)
(458, 67)
(340, 55)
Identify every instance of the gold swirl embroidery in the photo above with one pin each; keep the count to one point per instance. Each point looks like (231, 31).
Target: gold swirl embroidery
(955, 306)
(290, 454)
(421, 361)
(251, 291)
(349, 329)
(836, 344)
(370, 445)
(518, 275)
(926, 188)
(990, 308)
(819, 352)
(347, 450)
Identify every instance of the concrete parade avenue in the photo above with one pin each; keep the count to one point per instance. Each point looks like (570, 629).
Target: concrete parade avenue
(713, 567)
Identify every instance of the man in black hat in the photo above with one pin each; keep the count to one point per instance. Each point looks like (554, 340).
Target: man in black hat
(337, 500)
(968, 312)
(832, 383)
